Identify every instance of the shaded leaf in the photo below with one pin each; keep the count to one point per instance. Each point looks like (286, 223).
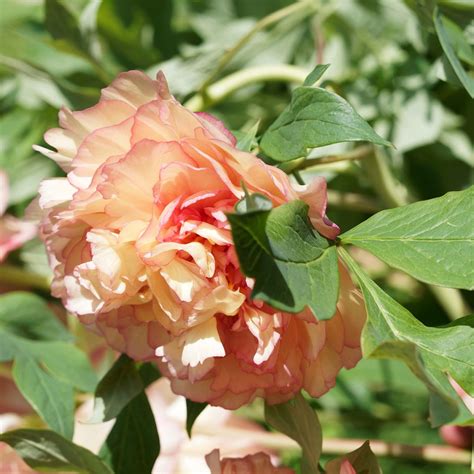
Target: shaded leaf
(299, 421)
(117, 388)
(193, 410)
(362, 460)
(42, 449)
(292, 264)
(447, 32)
(27, 315)
(133, 444)
(62, 24)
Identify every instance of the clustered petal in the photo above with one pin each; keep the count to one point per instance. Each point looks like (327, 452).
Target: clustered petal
(142, 252)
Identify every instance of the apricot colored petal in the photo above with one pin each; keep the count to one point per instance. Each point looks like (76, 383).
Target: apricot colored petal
(315, 195)
(216, 128)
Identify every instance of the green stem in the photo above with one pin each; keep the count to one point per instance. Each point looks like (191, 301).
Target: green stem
(18, 277)
(298, 177)
(356, 154)
(308, 5)
(392, 192)
(233, 82)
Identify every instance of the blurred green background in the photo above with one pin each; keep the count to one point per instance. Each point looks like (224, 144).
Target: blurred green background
(386, 60)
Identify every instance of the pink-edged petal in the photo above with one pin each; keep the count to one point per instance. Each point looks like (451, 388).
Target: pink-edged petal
(315, 195)
(216, 128)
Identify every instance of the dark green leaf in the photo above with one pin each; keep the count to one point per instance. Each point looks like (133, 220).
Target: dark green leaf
(315, 118)
(148, 373)
(315, 74)
(193, 410)
(362, 460)
(42, 449)
(299, 421)
(133, 444)
(292, 264)
(27, 315)
(117, 388)
(431, 240)
(392, 332)
(51, 398)
(447, 32)
(62, 24)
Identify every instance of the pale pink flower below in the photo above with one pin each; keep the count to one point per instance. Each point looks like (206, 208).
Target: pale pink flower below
(13, 232)
(142, 251)
(258, 463)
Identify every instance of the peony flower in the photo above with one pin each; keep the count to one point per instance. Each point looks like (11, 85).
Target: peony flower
(13, 232)
(258, 463)
(142, 252)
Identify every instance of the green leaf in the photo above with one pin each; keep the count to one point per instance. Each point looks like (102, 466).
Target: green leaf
(315, 74)
(42, 449)
(193, 410)
(315, 118)
(362, 459)
(431, 240)
(67, 363)
(133, 444)
(117, 388)
(247, 141)
(448, 32)
(62, 24)
(52, 399)
(299, 421)
(393, 332)
(292, 264)
(254, 202)
(46, 365)
(27, 315)
(148, 373)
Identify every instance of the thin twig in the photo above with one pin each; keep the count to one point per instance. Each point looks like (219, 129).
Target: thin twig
(18, 277)
(353, 201)
(265, 22)
(233, 82)
(395, 194)
(356, 154)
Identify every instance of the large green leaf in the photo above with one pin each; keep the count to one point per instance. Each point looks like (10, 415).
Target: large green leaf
(133, 444)
(118, 387)
(393, 332)
(299, 421)
(292, 264)
(315, 118)
(46, 450)
(449, 35)
(52, 399)
(431, 240)
(46, 366)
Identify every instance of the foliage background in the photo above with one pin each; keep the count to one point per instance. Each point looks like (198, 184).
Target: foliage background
(385, 60)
